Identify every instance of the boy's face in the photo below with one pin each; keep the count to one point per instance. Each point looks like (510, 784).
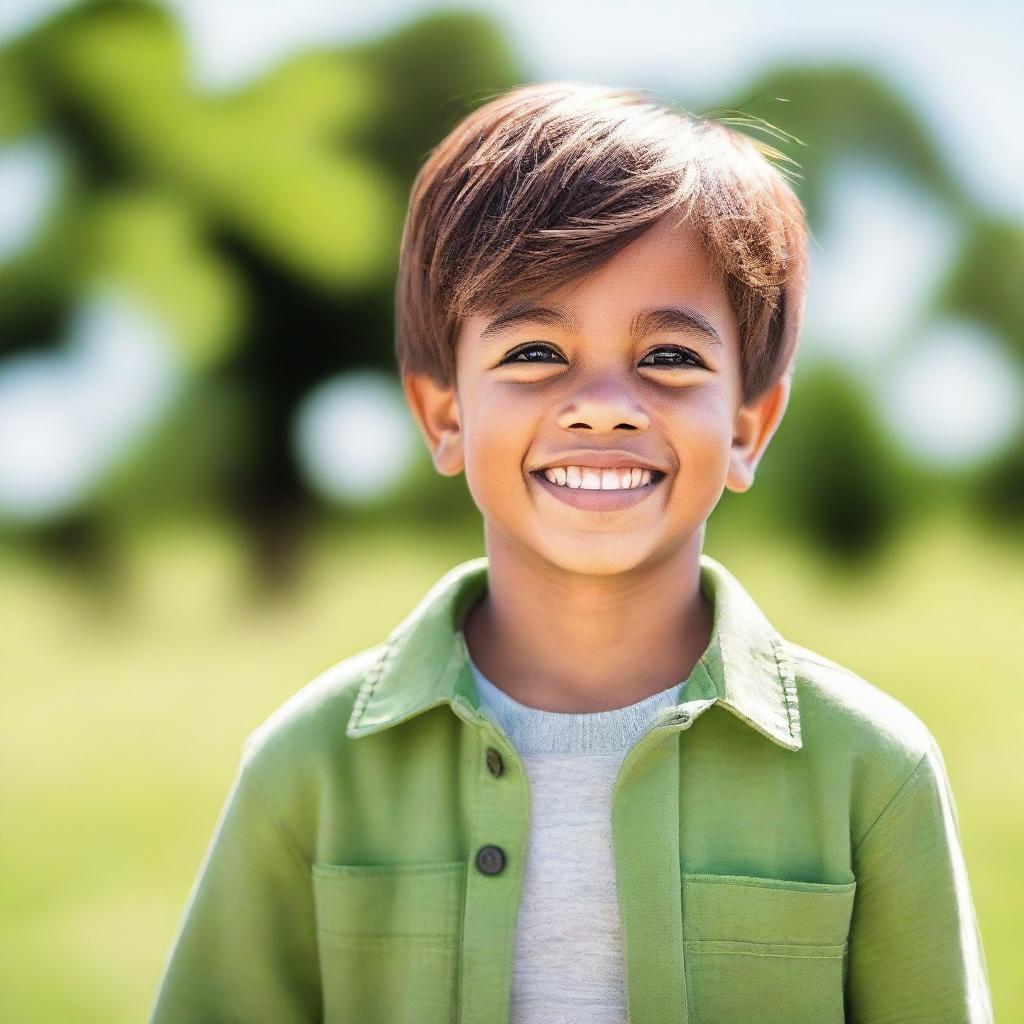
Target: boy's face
(670, 398)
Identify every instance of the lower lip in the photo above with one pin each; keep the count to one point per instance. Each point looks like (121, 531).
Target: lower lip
(598, 500)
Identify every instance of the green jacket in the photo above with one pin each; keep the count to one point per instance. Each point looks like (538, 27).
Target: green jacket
(786, 847)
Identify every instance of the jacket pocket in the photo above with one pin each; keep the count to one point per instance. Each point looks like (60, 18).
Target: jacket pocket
(765, 949)
(388, 937)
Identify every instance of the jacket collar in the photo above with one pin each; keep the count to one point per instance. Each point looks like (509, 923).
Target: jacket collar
(424, 663)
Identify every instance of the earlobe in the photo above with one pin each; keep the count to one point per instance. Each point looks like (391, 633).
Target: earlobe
(435, 408)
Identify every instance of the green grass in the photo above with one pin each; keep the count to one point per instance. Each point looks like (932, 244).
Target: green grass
(124, 718)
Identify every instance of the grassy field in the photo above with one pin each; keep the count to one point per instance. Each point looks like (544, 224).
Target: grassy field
(124, 718)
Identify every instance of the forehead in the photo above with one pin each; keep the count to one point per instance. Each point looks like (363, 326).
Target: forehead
(661, 281)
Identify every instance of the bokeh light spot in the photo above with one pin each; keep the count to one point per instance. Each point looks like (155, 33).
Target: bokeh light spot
(354, 438)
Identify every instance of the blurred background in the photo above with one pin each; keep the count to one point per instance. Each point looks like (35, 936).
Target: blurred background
(210, 486)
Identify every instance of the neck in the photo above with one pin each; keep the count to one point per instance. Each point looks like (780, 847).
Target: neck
(567, 642)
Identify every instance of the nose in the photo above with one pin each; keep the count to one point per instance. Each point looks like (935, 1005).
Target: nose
(603, 408)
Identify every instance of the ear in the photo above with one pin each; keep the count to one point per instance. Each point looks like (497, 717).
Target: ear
(756, 422)
(435, 408)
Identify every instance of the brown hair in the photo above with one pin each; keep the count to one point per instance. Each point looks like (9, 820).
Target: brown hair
(547, 181)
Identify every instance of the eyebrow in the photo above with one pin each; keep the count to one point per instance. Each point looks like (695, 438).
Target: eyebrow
(648, 321)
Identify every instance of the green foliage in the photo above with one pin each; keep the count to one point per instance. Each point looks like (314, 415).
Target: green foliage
(985, 283)
(429, 74)
(832, 473)
(843, 114)
(262, 225)
(269, 162)
(152, 244)
(998, 491)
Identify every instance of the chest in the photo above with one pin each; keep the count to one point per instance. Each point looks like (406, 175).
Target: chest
(713, 873)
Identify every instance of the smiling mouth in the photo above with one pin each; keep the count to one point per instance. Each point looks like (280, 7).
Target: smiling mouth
(598, 499)
(656, 476)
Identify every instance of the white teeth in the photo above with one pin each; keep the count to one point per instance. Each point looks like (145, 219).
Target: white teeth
(592, 479)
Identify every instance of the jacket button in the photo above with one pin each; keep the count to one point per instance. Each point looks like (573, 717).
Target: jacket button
(490, 859)
(494, 763)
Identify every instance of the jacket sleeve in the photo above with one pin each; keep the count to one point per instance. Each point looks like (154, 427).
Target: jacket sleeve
(246, 948)
(915, 951)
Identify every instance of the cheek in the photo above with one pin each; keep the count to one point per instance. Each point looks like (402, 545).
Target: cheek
(499, 440)
(703, 432)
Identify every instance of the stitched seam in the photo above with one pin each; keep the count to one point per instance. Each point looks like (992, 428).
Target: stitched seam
(788, 685)
(283, 834)
(427, 942)
(774, 942)
(896, 798)
(385, 870)
(697, 950)
(372, 678)
(773, 888)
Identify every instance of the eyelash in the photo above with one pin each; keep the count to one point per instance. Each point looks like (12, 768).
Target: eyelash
(541, 347)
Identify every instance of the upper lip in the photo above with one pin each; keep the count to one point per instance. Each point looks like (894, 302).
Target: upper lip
(604, 459)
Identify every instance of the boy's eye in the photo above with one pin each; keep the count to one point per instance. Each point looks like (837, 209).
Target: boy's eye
(523, 353)
(678, 356)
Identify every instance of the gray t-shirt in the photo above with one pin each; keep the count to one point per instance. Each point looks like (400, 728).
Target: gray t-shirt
(568, 965)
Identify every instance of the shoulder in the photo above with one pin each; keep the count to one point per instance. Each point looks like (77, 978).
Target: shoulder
(854, 725)
(304, 739)
(868, 744)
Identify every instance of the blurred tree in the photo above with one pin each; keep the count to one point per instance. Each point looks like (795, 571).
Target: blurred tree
(985, 285)
(261, 227)
(833, 115)
(832, 474)
(998, 488)
(851, 115)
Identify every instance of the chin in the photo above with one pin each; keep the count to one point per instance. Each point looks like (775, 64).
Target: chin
(595, 555)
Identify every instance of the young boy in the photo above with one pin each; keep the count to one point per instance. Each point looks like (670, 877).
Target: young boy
(585, 779)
